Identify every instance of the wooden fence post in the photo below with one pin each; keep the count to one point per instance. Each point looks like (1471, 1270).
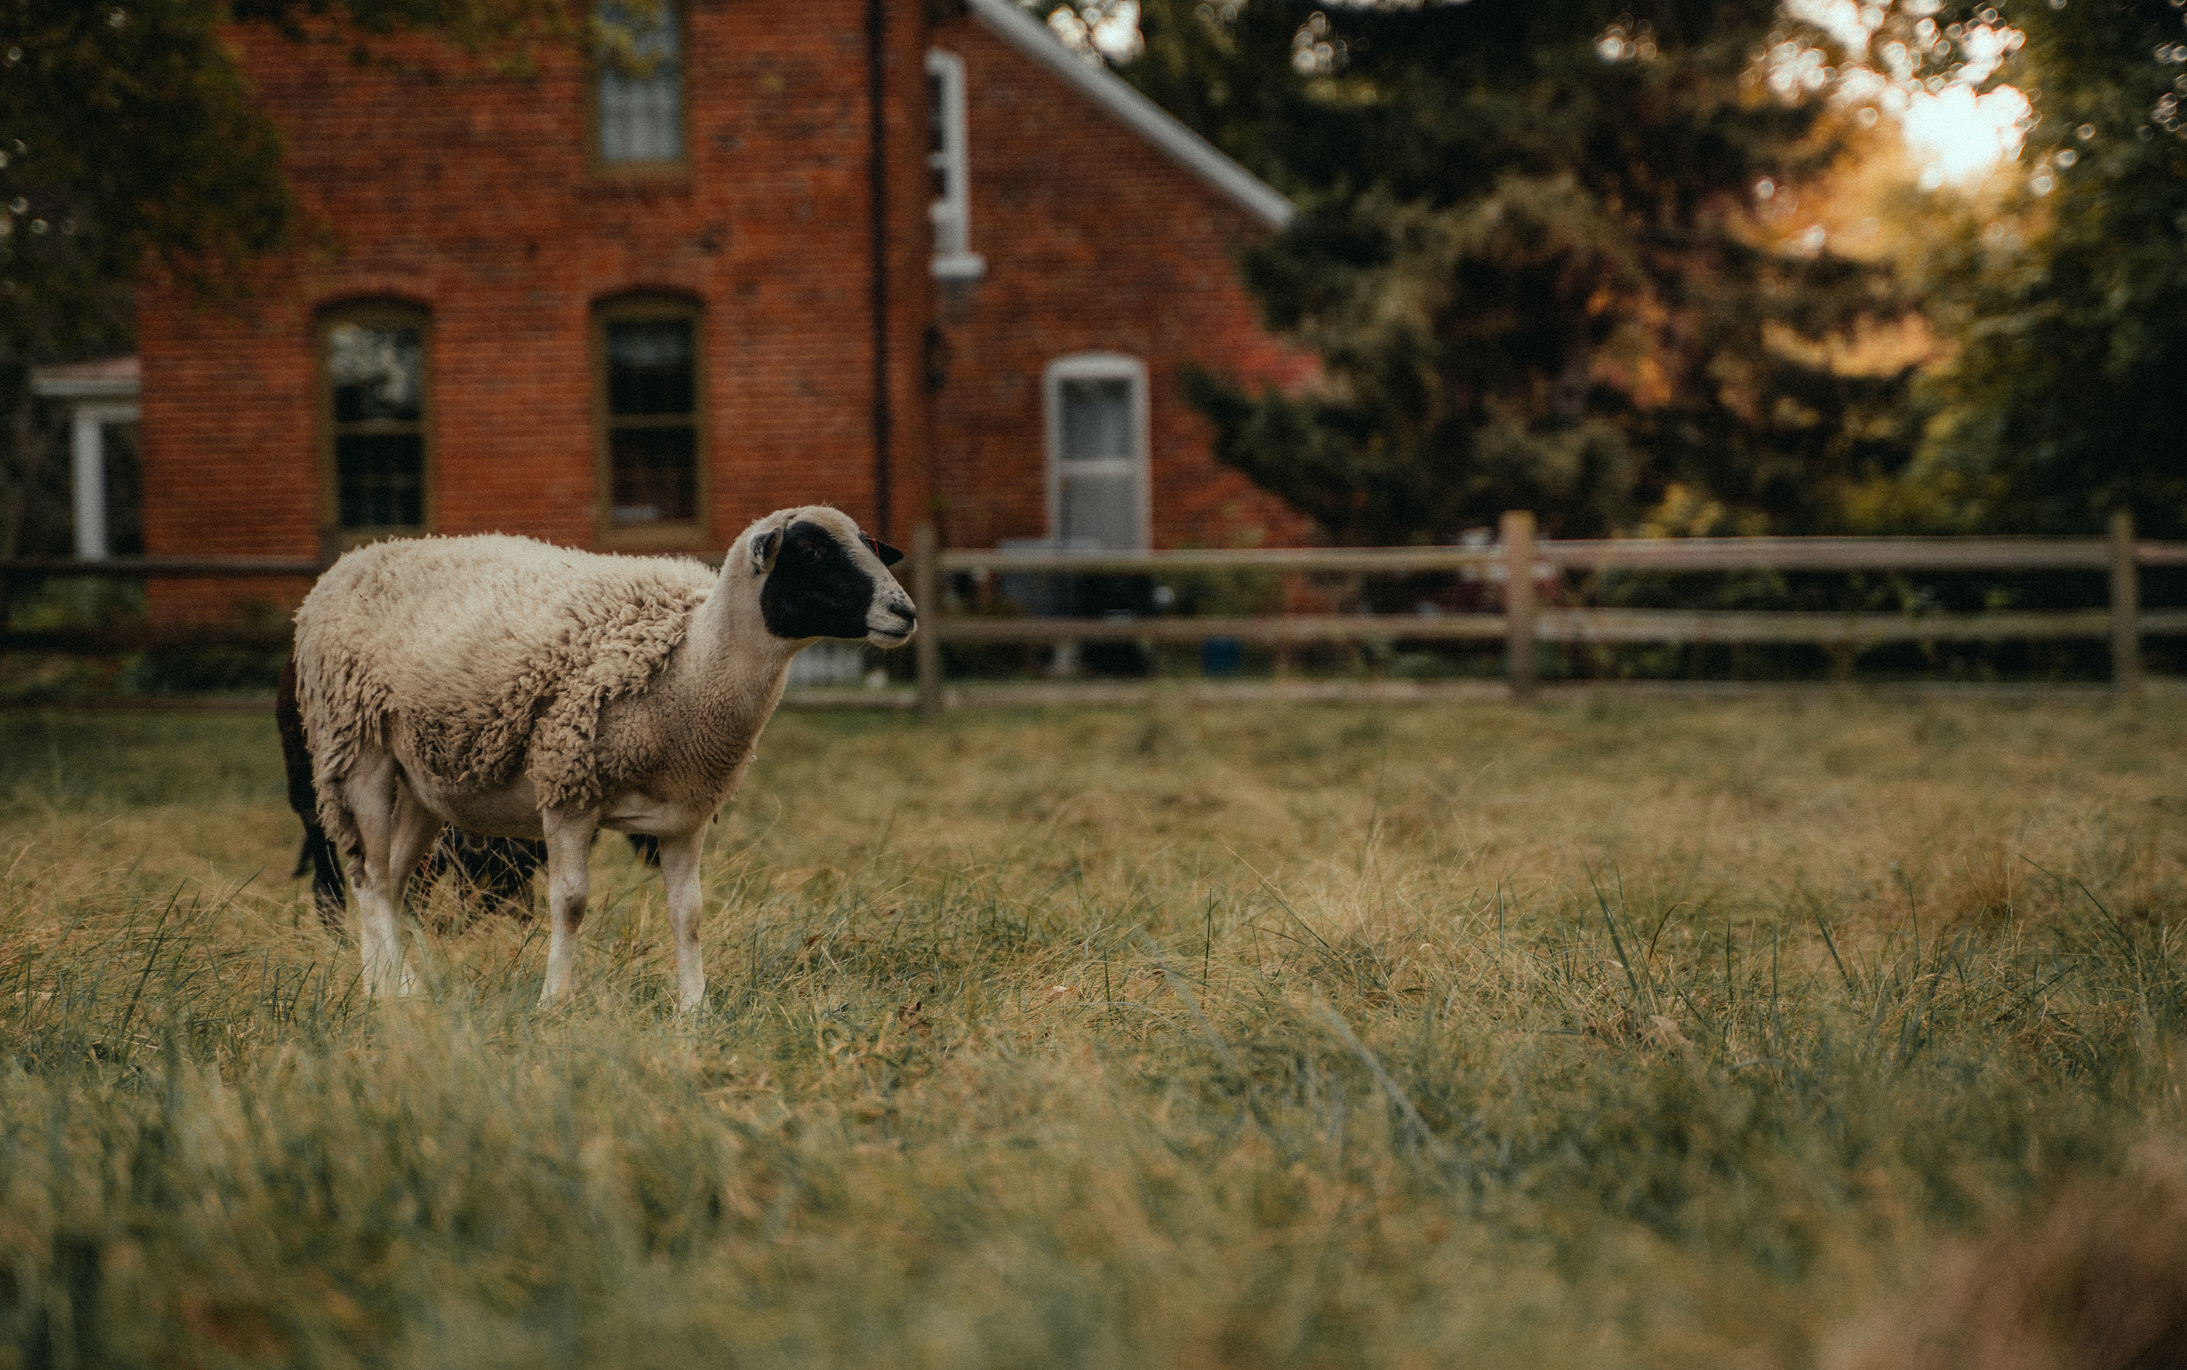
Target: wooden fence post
(1518, 537)
(2125, 608)
(926, 647)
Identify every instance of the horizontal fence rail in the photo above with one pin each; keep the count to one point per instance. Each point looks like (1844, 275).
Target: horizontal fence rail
(1519, 561)
(120, 638)
(159, 568)
(1567, 625)
(1513, 567)
(140, 637)
(1834, 630)
(1603, 554)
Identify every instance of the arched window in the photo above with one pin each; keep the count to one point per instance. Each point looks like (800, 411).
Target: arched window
(649, 398)
(1097, 451)
(375, 398)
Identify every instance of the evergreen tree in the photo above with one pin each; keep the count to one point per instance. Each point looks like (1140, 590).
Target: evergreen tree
(1530, 261)
(2064, 400)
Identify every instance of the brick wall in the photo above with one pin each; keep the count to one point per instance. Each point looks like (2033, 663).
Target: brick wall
(1095, 242)
(475, 197)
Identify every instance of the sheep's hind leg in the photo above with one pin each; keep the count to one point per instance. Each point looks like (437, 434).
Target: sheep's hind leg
(393, 833)
(411, 835)
(680, 873)
(368, 793)
(569, 884)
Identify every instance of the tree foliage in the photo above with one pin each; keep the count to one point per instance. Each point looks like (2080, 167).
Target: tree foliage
(2064, 400)
(129, 142)
(132, 143)
(1529, 259)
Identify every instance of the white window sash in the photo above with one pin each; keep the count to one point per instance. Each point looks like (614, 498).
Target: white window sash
(951, 211)
(1132, 469)
(641, 116)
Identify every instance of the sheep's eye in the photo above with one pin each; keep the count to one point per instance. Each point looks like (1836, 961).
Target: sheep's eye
(889, 555)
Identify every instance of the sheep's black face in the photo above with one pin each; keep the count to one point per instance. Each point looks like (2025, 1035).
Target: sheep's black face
(819, 588)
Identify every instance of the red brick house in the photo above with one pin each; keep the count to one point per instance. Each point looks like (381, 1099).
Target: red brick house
(823, 250)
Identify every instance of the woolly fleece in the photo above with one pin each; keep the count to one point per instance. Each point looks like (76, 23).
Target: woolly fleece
(494, 653)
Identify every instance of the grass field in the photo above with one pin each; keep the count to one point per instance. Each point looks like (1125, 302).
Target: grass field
(1655, 1033)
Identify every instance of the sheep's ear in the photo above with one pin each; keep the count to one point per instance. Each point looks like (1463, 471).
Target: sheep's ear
(889, 555)
(765, 548)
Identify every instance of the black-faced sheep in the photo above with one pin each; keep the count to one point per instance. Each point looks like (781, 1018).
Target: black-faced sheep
(516, 689)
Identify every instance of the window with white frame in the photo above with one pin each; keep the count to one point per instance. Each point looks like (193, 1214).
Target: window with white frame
(1097, 452)
(638, 104)
(948, 168)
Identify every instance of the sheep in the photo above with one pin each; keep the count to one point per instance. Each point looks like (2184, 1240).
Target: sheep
(490, 873)
(517, 689)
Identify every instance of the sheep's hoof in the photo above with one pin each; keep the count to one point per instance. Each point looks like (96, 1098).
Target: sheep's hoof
(383, 984)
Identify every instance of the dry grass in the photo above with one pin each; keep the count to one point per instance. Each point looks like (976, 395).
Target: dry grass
(1626, 1034)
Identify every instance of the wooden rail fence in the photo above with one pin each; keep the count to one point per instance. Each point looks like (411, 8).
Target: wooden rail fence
(130, 637)
(1519, 561)
(1520, 558)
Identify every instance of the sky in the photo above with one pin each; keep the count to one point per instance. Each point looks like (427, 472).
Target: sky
(1956, 131)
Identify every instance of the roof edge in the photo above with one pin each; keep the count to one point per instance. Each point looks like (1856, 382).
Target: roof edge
(1146, 118)
(107, 378)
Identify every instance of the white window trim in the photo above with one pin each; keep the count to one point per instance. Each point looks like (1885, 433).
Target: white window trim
(1084, 366)
(951, 214)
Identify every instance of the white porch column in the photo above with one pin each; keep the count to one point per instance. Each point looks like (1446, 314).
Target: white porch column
(97, 393)
(88, 449)
(88, 484)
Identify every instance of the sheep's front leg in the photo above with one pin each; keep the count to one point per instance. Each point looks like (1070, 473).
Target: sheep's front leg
(569, 884)
(680, 873)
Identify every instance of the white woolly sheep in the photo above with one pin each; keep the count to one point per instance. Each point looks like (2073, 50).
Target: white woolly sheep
(517, 689)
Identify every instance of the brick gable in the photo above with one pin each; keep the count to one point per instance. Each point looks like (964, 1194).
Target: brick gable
(1095, 242)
